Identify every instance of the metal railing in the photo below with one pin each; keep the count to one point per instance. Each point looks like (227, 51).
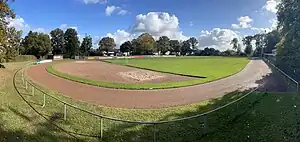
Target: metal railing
(34, 89)
(284, 74)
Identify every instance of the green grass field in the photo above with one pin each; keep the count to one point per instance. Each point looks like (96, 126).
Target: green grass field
(209, 67)
(248, 120)
(212, 68)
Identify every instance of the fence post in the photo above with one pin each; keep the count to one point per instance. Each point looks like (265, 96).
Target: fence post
(44, 102)
(101, 128)
(154, 132)
(297, 87)
(65, 111)
(32, 91)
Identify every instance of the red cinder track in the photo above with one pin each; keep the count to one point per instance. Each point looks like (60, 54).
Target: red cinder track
(120, 98)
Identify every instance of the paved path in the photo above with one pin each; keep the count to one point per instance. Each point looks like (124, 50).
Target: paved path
(247, 78)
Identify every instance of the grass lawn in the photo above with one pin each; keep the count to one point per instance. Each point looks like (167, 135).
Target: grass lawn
(209, 67)
(258, 117)
(212, 68)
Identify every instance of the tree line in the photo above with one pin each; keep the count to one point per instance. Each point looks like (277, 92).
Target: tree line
(60, 42)
(264, 43)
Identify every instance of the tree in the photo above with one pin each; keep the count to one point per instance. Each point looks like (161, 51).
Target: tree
(57, 41)
(247, 42)
(37, 44)
(259, 44)
(163, 44)
(234, 43)
(5, 13)
(288, 49)
(71, 43)
(185, 47)
(126, 47)
(107, 44)
(175, 46)
(86, 46)
(13, 40)
(136, 47)
(147, 44)
(193, 42)
(270, 41)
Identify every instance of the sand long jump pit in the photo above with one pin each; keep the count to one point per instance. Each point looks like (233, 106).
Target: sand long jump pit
(101, 71)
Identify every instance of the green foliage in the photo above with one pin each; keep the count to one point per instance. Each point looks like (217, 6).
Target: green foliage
(270, 40)
(107, 44)
(185, 47)
(8, 36)
(57, 41)
(13, 44)
(23, 58)
(175, 46)
(37, 44)
(86, 46)
(288, 49)
(234, 43)
(126, 47)
(71, 43)
(145, 44)
(247, 42)
(193, 42)
(163, 45)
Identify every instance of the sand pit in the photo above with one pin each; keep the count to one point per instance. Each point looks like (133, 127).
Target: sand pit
(101, 71)
(141, 75)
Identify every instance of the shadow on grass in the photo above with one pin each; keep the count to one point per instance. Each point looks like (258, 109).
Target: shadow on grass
(45, 131)
(240, 121)
(276, 82)
(195, 129)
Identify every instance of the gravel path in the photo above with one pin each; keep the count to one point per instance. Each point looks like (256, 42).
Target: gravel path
(247, 78)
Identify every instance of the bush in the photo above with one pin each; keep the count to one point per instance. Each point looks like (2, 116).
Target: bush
(22, 58)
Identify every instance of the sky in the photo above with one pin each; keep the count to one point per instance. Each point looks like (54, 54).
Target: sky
(213, 22)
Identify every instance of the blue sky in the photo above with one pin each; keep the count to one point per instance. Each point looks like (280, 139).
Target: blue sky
(117, 18)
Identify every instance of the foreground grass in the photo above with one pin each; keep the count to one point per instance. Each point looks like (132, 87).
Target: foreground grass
(259, 117)
(212, 68)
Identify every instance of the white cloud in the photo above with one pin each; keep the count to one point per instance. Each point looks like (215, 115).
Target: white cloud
(95, 1)
(18, 23)
(40, 30)
(271, 5)
(121, 36)
(122, 12)
(218, 38)
(244, 23)
(66, 26)
(273, 26)
(111, 9)
(158, 24)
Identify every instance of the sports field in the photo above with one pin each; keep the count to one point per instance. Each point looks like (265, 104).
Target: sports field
(250, 120)
(211, 68)
(197, 70)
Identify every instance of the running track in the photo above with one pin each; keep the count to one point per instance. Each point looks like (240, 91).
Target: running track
(247, 78)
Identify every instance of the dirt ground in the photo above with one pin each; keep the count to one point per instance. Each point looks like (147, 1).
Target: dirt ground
(101, 71)
(252, 76)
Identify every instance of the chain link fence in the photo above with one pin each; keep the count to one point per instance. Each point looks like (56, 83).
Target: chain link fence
(289, 78)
